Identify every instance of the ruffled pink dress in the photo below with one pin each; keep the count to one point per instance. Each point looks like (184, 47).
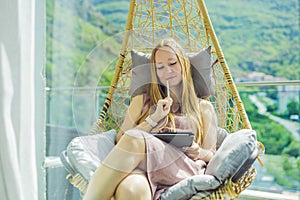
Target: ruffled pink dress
(166, 164)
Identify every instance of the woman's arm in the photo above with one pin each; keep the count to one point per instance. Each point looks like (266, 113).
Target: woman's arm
(210, 126)
(209, 123)
(134, 110)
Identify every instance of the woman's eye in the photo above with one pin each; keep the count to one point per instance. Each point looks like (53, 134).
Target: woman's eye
(174, 63)
(159, 67)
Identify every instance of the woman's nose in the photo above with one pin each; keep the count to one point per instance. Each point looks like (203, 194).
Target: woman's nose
(169, 69)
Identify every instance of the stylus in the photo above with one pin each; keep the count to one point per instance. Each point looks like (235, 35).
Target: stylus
(168, 89)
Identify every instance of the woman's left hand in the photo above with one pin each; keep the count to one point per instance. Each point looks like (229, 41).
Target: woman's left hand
(192, 151)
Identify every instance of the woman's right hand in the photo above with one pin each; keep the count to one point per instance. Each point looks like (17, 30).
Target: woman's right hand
(163, 108)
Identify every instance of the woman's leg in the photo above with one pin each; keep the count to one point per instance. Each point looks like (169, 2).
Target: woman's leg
(134, 186)
(119, 163)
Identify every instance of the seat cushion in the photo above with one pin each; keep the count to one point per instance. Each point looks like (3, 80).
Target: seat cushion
(186, 188)
(85, 153)
(233, 153)
(221, 135)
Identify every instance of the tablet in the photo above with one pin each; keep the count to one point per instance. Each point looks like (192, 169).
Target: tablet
(178, 139)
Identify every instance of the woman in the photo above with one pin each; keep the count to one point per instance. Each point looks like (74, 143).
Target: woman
(141, 166)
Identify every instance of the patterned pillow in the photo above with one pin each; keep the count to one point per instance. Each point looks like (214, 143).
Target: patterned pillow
(201, 72)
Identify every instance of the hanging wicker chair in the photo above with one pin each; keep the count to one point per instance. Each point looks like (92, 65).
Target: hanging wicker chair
(188, 22)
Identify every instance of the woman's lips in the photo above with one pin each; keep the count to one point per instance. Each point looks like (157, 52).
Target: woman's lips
(170, 78)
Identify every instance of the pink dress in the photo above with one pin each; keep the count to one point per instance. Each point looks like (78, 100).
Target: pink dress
(166, 165)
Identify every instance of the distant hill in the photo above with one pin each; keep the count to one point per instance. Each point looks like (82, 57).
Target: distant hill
(74, 30)
(257, 35)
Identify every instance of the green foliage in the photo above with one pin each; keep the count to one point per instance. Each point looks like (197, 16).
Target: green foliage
(258, 35)
(272, 92)
(263, 36)
(273, 135)
(272, 108)
(271, 105)
(79, 54)
(254, 35)
(293, 108)
(284, 169)
(293, 149)
(73, 32)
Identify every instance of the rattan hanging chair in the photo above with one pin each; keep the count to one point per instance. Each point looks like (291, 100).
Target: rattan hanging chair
(188, 22)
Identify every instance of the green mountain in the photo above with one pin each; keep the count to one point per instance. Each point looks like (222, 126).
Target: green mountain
(74, 31)
(254, 35)
(257, 35)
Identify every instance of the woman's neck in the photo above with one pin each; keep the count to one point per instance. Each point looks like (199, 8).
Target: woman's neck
(176, 93)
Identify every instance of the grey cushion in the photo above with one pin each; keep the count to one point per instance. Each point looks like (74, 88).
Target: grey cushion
(247, 165)
(201, 71)
(236, 154)
(235, 150)
(222, 134)
(186, 188)
(85, 153)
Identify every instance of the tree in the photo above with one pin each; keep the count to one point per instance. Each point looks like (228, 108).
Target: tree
(293, 108)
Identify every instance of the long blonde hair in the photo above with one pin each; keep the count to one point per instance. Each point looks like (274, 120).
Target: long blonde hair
(190, 101)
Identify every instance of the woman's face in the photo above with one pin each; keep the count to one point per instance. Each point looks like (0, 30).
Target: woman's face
(167, 66)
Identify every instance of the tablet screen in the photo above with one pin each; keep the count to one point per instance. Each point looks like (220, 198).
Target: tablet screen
(178, 139)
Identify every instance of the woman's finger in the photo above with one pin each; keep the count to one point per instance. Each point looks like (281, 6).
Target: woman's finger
(165, 103)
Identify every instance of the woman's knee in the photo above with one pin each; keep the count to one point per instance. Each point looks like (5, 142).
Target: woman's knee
(134, 140)
(134, 186)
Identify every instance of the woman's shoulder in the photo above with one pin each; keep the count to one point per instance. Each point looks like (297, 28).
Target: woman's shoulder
(136, 106)
(203, 103)
(138, 97)
(138, 100)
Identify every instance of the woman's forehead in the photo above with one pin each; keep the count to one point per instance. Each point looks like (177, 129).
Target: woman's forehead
(166, 49)
(165, 53)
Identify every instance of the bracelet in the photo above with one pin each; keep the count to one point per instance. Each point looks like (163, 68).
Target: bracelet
(151, 121)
